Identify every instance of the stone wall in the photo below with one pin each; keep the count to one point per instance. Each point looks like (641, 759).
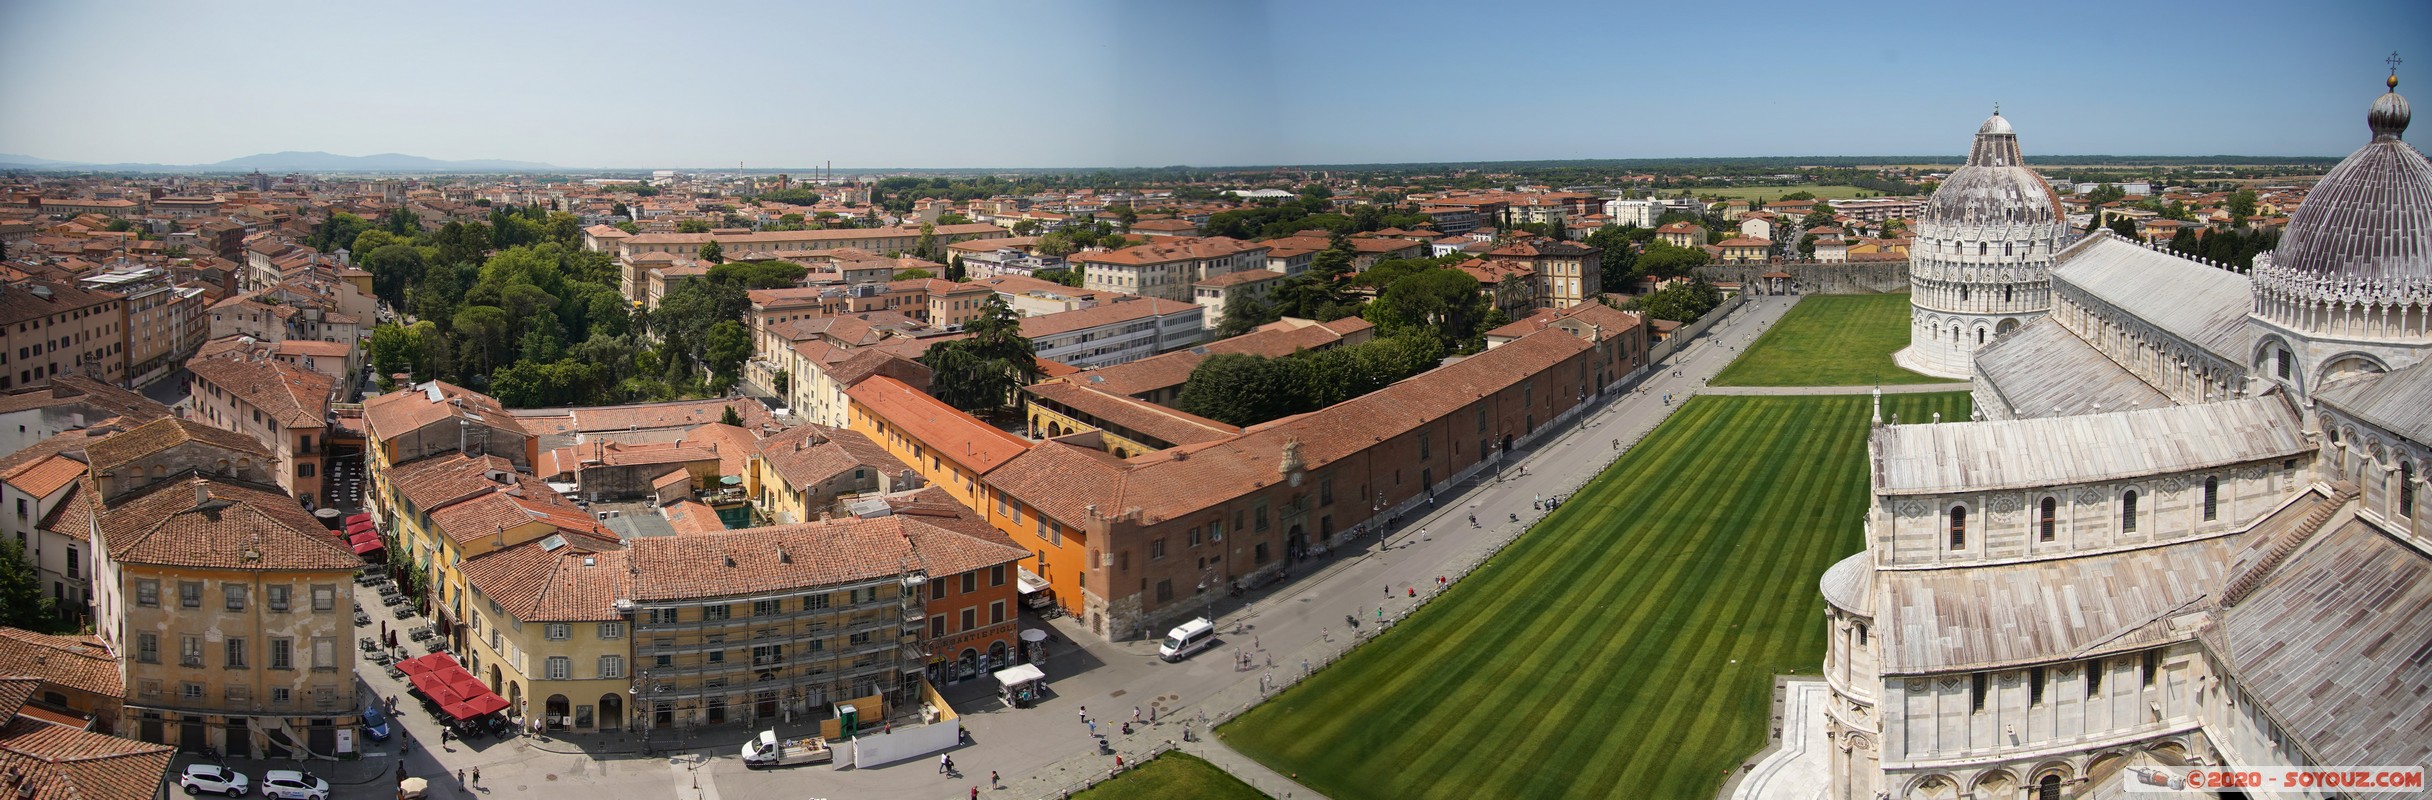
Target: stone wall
(1817, 277)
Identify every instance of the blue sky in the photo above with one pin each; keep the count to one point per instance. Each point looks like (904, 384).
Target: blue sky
(1159, 82)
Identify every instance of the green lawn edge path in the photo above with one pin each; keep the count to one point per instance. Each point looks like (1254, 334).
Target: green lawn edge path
(1830, 340)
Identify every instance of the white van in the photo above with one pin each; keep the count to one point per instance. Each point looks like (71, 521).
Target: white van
(1187, 638)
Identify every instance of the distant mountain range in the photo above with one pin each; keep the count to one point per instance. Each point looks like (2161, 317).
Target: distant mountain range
(291, 161)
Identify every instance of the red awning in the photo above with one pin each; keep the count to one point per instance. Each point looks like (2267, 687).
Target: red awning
(353, 528)
(350, 520)
(362, 547)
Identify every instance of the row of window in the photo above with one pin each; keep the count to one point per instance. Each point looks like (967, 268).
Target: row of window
(236, 596)
(970, 581)
(237, 652)
(970, 619)
(2047, 517)
(2038, 678)
(760, 608)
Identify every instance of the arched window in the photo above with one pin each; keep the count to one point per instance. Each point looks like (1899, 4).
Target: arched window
(2128, 512)
(2046, 522)
(1959, 527)
(2212, 499)
(2005, 248)
(2406, 490)
(2048, 788)
(1983, 248)
(1980, 336)
(2280, 357)
(1963, 293)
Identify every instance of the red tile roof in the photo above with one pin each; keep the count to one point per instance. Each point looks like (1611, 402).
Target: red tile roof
(943, 429)
(62, 763)
(82, 663)
(535, 584)
(238, 526)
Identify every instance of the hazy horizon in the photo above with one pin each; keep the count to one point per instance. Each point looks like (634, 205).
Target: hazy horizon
(1110, 85)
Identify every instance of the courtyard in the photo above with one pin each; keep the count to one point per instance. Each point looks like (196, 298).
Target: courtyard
(1830, 340)
(1624, 648)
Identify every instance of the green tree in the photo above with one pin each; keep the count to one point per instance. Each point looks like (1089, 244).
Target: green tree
(712, 252)
(729, 417)
(2242, 206)
(337, 230)
(488, 336)
(1240, 389)
(1027, 227)
(404, 222)
(926, 246)
(393, 267)
(22, 603)
(729, 344)
(1662, 260)
(953, 219)
(395, 348)
(982, 373)
(1245, 314)
(692, 226)
(913, 274)
(1057, 244)
(1442, 303)
(1683, 301)
(2124, 226)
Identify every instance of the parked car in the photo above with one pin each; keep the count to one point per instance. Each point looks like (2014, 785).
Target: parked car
(288, 784)
(212, 779)
(375, 723)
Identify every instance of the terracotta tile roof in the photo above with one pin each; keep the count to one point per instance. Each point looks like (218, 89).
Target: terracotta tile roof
(295, 396)
(946, 431)
(535, 584)
(1062, 479)
(642, 416)
(1169, 370)
(1167, 425)
(161, 434)
(692, 516)
(19, 303)
(82, 663)
(811, 454)
(499, 506)
(100, 399)
(782, 558)
(241, 527)
(398, 413)
(674, 478)
(62, 763)
(1171, 249)
(73, 516)
(1121, 309)
(1743, 241)
(1247, 276)
(437, 480)
(41, 478)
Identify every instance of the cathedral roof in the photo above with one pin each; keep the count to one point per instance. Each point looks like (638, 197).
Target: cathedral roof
(1995, 187)
(2201, 305)
(2370, 218)
(1969, 457)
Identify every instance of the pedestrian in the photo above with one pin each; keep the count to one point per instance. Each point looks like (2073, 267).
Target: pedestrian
(1388, 590)
(1254, 643)
(1118, 762)
(992, 782)
(975, 793)
(942, 761)
(477, 776)
(460, 777)
(1135, 713)
(1093, 727)
(1414, 591)
(1085, 713)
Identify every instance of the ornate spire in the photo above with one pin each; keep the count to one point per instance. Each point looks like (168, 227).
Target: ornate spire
(2388, 119)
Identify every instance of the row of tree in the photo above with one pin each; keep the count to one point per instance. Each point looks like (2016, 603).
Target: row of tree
(1242, 389)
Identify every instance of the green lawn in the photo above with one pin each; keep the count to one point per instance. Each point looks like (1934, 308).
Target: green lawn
(1173, 776)
(1830, 340)
(1625, 648)
(1773, 193)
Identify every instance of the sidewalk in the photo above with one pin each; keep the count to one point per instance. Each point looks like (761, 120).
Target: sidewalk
(1257, 775)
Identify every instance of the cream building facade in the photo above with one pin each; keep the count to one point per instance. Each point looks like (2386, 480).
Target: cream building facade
(2184, 531)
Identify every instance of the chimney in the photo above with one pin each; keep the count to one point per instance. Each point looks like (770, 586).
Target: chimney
(202, 494)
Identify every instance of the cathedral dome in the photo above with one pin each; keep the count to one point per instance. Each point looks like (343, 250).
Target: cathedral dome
(1994, 188)
(2370, 219)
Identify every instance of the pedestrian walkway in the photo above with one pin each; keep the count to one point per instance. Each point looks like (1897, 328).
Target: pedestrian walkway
(1796, 769)
(1257, 775)
(1896, 388)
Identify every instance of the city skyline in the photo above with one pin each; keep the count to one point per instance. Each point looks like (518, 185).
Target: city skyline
(1102, 84)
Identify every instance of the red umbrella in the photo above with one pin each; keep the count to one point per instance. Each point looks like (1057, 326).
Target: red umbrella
(352, 519)
(465, 685)
(366, 547)
(459, 711)
(488, 703)
(359, 527)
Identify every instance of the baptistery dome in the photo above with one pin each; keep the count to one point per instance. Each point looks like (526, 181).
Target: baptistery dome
(1980, 265)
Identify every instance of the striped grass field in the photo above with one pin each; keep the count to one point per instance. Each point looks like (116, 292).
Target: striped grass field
(1624, 648)
(1830, 340)
(1174, 776)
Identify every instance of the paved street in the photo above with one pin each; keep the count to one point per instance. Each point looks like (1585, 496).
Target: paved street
(1046, 750)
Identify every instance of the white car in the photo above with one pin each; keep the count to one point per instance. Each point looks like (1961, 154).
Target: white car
(212, 779)
(288, 784)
